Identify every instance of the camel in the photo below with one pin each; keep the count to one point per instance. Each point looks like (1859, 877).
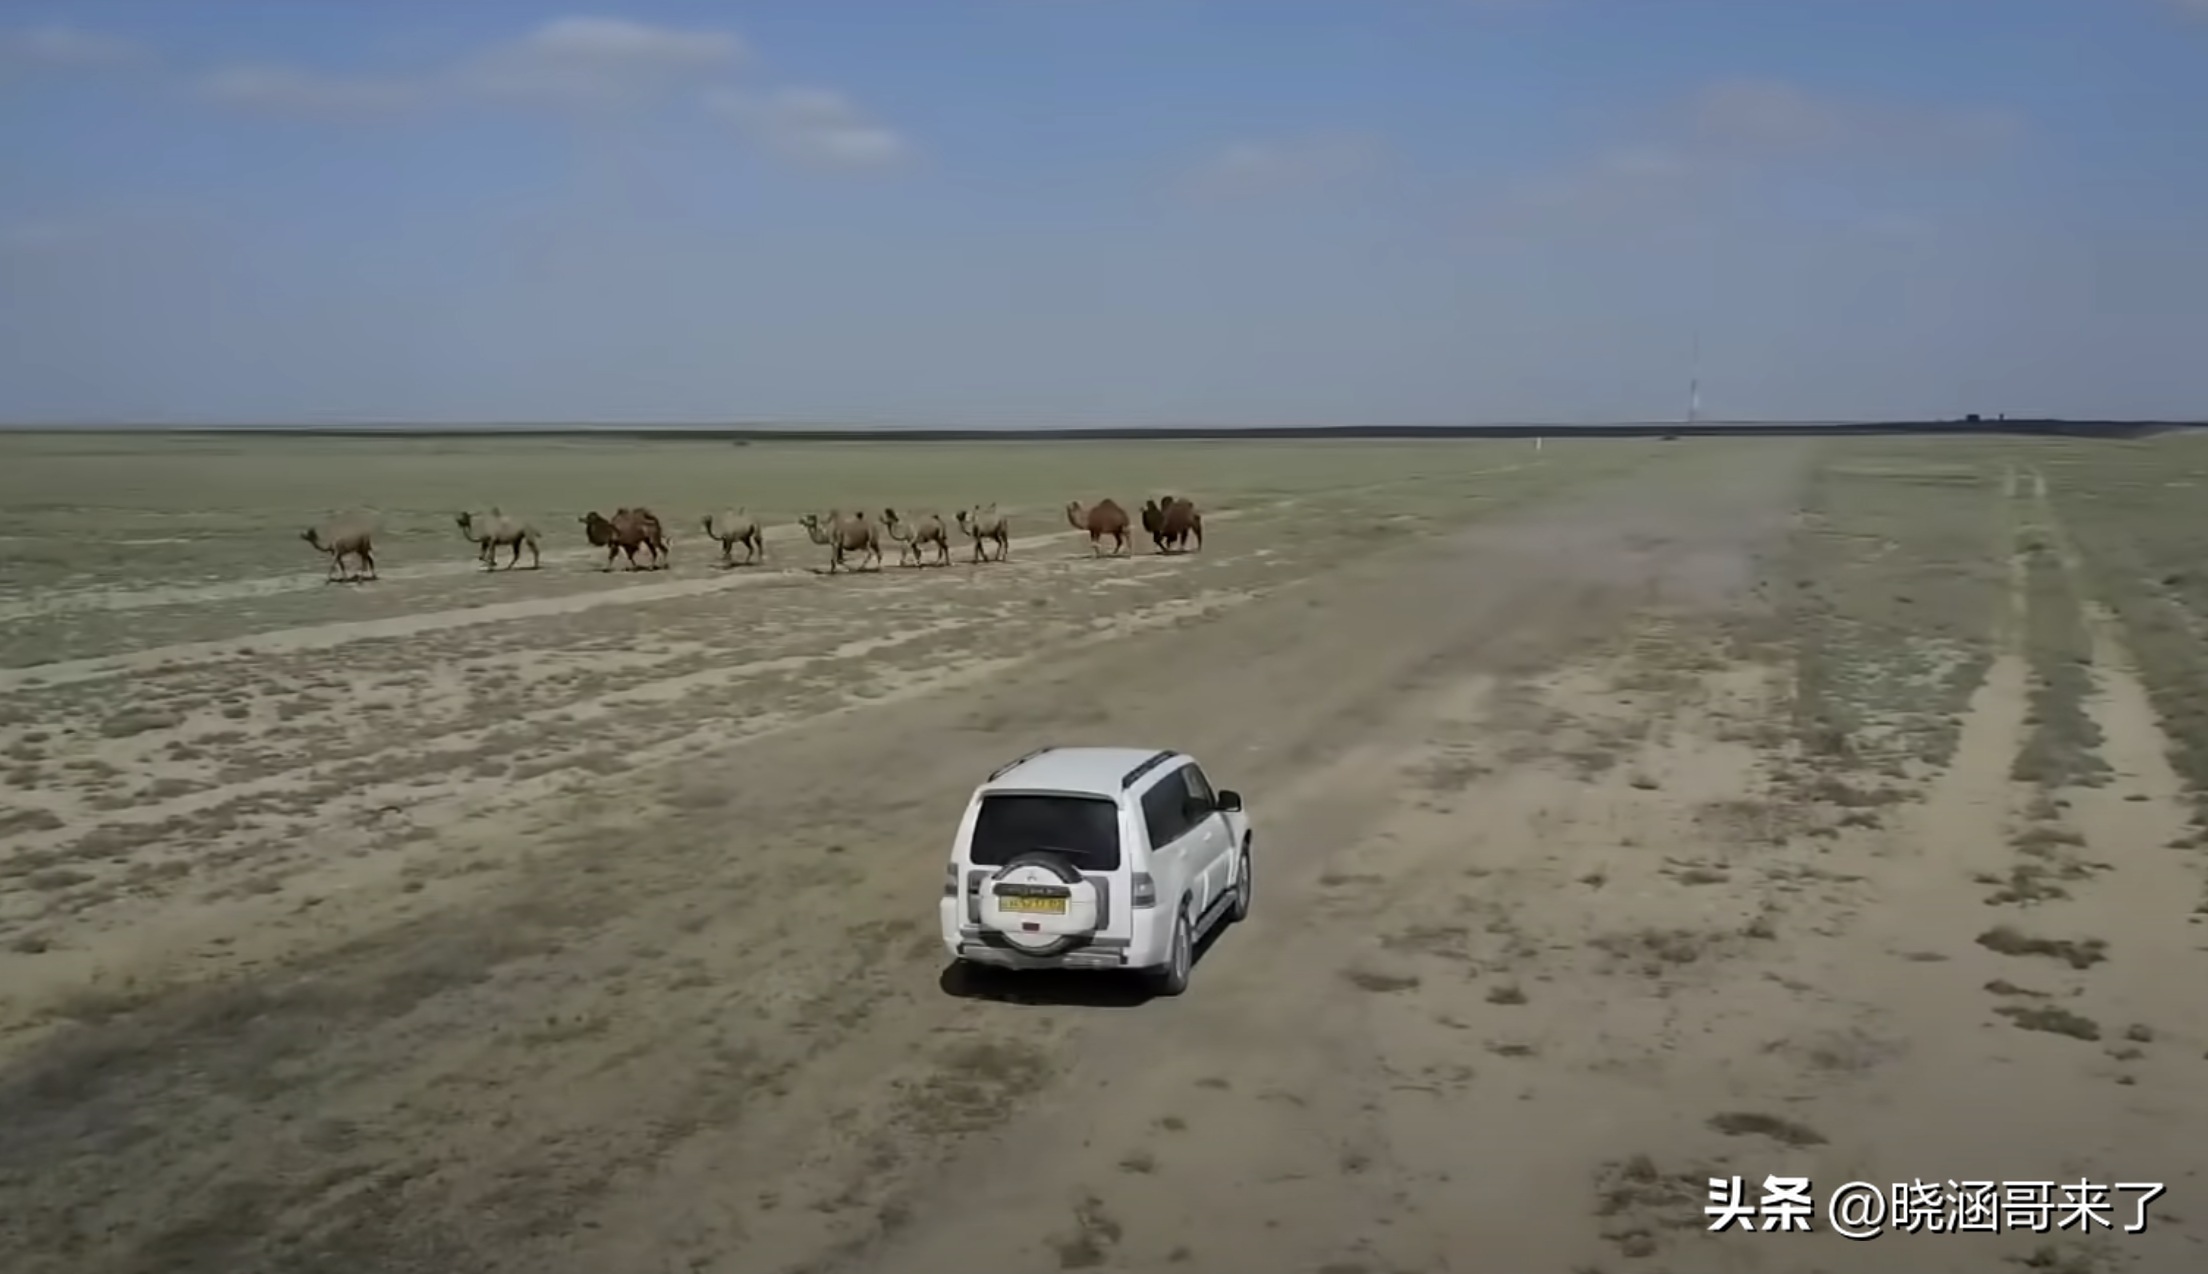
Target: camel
(733, 527)
(844, 535)
(625, 532)
(911, 536)
(499, 531)
(341, 544)
(655, 535)
(1171, 521)
(1103, 518)
(986, 525)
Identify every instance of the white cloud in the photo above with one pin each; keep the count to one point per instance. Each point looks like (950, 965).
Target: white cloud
(589, 64)
(1286, 166)
(64, 47)
(1760, 119)
(813, 126)
(1729, 132)
(595, 62)
(582, 63)
(289, 91)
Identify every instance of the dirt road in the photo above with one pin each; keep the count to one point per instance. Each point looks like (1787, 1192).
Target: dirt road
(1544, 939)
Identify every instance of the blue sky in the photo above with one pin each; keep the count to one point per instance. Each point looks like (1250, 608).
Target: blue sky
(1034, 212)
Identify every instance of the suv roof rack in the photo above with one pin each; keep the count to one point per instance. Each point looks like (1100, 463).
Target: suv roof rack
(1017, 762)
(1129, 779)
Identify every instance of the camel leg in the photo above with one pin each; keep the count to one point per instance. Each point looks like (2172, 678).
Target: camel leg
(368, 561)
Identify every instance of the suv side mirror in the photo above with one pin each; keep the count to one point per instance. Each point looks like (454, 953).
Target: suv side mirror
(1230, 801)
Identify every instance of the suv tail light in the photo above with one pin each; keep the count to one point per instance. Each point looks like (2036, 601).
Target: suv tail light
(1146, 890)
(950, 880)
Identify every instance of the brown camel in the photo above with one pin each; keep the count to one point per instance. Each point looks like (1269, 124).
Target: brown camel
(733, 527)
(655, 534)
(844, 535)
(624, 533)
(341, 543)
(912, 536)
(496, 531)
(1103, 518)
(986, 526)
(1171, 522)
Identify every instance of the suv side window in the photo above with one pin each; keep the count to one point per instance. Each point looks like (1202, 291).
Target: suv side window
(1202, 802)
(1165, 811)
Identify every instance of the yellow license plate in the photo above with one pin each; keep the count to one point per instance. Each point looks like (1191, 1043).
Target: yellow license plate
(1034, 906)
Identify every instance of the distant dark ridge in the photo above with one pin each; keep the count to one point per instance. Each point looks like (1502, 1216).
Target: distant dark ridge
(1626, 429)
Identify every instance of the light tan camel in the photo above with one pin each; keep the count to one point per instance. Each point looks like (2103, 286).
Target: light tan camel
(1103, 518)
(986, 526)
(499, 531)
(341, 543)
(625, 532)
(845, 535)
(911, 536)
(733, 527)
(1170, 522)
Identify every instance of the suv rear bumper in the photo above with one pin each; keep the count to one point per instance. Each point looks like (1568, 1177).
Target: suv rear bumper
(982, 946)
(1095, 955)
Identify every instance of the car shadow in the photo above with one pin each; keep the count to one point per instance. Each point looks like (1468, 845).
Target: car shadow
(1063, 988)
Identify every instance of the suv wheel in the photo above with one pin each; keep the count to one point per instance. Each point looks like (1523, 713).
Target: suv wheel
(1172, 977)
(1240, 911)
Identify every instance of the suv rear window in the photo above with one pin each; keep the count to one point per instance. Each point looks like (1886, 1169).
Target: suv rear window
(1084, 828)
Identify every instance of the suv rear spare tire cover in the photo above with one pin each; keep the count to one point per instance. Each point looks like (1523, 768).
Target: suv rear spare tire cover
(1040, 903)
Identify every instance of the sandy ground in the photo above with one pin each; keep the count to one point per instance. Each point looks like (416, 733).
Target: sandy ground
(1609, 841)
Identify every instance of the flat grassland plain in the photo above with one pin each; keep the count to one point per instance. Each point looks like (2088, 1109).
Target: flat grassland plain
(1628, 814)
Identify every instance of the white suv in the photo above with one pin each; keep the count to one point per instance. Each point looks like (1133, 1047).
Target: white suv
(1096, 858)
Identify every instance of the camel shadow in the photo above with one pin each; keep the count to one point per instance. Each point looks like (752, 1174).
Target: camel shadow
(1058, 988)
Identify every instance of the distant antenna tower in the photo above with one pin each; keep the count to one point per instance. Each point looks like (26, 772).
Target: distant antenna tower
(1694, 382)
